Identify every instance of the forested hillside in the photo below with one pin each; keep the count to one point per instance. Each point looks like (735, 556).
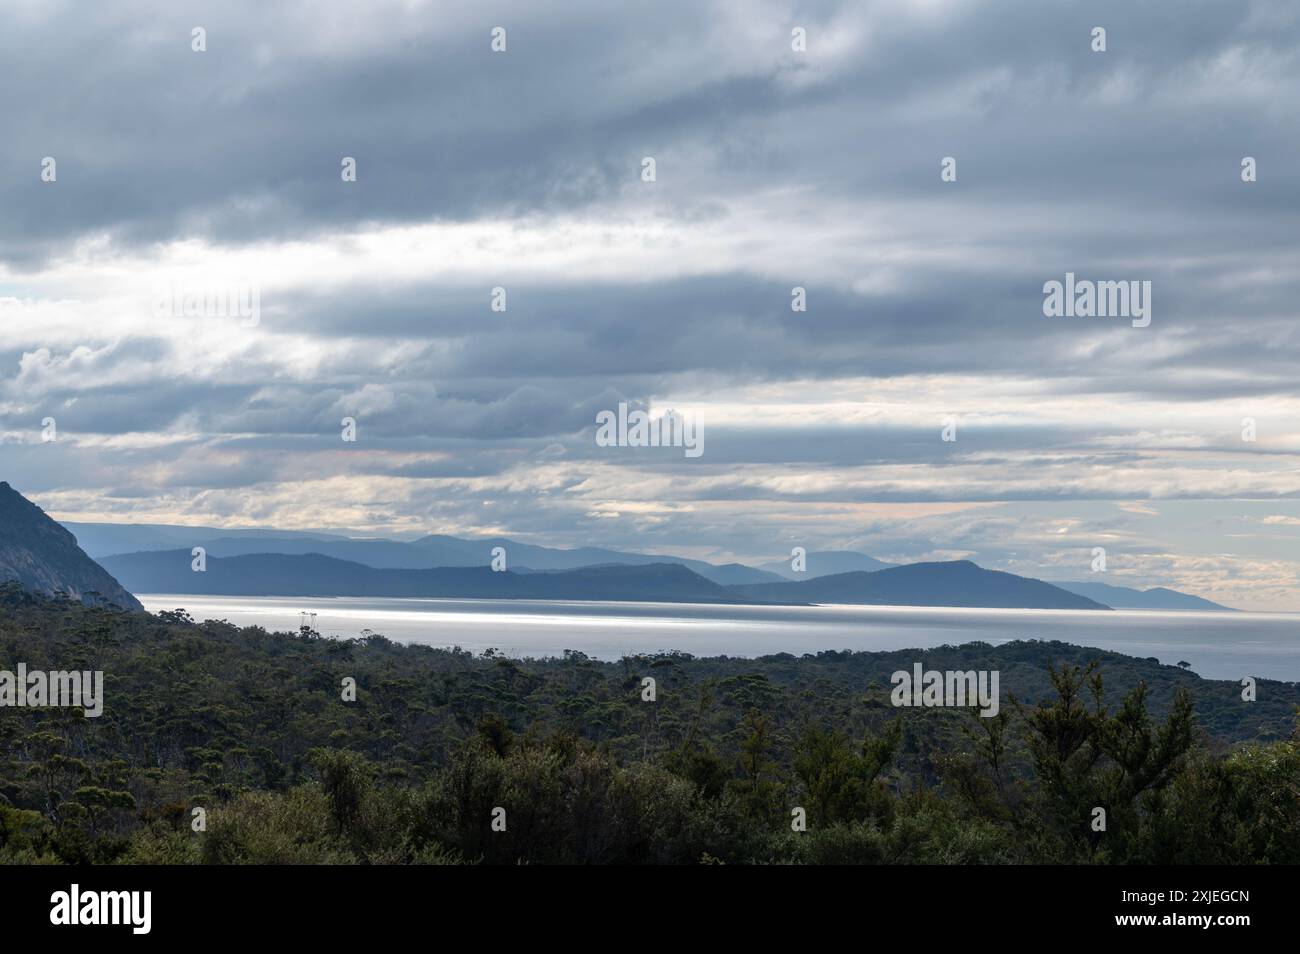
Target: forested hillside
(253, 728)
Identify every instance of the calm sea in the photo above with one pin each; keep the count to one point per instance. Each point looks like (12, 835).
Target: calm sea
(1218, 645)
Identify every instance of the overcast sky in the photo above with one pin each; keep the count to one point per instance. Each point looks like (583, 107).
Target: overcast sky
(774, 168)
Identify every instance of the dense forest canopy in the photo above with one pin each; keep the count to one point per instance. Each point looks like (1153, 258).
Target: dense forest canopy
(443, 756)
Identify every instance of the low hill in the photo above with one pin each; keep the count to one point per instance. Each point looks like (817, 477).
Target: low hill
(458, 551)
(825, 563)
(954, 583)
(1157, 598)
(313, 574)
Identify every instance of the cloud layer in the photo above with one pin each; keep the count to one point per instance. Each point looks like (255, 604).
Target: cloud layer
(216, 172)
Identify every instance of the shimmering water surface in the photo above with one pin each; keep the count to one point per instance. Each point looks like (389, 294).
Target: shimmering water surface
(1218, 645)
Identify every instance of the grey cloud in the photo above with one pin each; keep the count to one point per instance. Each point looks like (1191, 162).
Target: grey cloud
(1122, 165)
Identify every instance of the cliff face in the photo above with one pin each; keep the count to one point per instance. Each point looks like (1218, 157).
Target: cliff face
(43, 556)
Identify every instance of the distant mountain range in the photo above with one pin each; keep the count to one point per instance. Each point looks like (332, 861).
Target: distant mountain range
(1157, 598)
(824, 563)
(105, 540)
(42, 556)
(960, 583)
(155, 558)
(312, 574)
(954, 583)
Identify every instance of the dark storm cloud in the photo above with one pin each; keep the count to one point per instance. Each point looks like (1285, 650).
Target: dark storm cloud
(243, 142)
